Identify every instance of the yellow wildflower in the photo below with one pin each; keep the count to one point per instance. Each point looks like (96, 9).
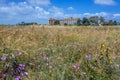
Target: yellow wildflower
(110, 62)
(110, 58)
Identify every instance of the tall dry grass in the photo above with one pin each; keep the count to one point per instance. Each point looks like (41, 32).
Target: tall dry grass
(69, 44)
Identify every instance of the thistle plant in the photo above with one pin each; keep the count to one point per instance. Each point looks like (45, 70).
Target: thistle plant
(12, 68)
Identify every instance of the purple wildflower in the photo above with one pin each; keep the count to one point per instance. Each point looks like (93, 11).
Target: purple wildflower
(25, 73)
(17, 70)
(12, 73)
(22, 66)
(3, 75)
(3, 58)
(118, 65)
(65, 64)
(88, 56)
(47, 64)
(46, 58)
(76, 66)
(18, 78)
(19, 53)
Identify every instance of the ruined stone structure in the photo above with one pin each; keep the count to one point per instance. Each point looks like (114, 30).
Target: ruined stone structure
(70, 20)
(52, 21)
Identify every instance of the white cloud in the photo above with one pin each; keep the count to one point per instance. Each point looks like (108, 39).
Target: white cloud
(73, 15)
(56, 12)
(15, 9)
(116, 15)
(96, 14)
(104, 14)
(22, 11)
(41, 13)
(70, 8)
(39, 2)
(55, 9)
(105, 2)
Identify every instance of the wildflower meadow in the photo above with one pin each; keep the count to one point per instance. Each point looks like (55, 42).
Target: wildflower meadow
(59, 53)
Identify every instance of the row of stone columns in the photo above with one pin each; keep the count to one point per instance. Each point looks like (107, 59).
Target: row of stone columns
(72, 21)
(67, 21)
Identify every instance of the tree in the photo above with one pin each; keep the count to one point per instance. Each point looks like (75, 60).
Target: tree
(78, 22)
(65, 24)
(21, 23)
(105, 23)
(57, 22)
(115, 23)
(94, 20)
(110, 22)
(102, 20)
(85, 21)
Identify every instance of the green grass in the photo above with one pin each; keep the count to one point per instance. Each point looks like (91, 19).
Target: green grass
(74, 53)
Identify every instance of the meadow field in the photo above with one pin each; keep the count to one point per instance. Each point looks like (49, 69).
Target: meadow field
(60, 53)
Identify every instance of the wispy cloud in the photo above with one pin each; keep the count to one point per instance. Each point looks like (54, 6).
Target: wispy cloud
(39, 2)
(56, 12)
(105, 2)
(106, 15)
(70, 8)
(96, 14)
(116, 15)
(21, 11)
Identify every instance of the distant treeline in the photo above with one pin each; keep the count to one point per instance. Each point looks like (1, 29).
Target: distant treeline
(95, 21)
(24, 23)
(20, 24)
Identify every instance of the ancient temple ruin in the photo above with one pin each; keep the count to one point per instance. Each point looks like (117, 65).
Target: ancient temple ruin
(70, 20)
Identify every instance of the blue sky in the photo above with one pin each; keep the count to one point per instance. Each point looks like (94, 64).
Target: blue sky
(15, 11)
